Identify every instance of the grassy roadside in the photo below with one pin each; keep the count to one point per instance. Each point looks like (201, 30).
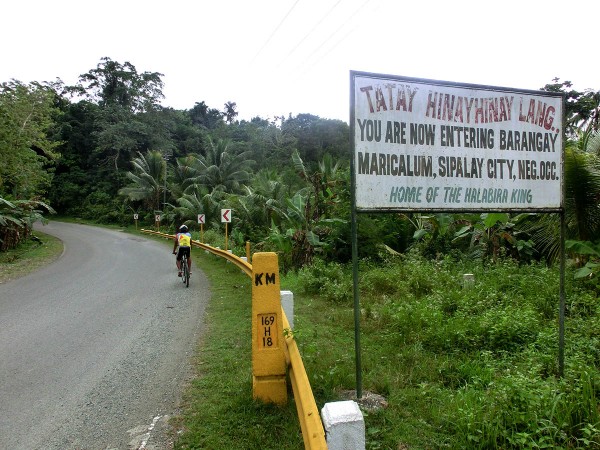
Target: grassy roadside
(460, 368)
(218, 410)
(29, 257)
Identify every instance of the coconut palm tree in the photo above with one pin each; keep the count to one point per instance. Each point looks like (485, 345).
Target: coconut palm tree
(148, 179)
(230, 112)
(200, 201)
(582, 181)
(223, 169)
(184, 176)
(582, 198)
(267, 193)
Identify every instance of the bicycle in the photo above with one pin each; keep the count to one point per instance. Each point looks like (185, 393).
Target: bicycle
(185, 269)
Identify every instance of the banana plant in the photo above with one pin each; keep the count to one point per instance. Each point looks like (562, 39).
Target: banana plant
(591, 251)
(17, 219)
(493, 232)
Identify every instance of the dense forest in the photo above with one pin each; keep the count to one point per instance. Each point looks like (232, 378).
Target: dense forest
(105, 149)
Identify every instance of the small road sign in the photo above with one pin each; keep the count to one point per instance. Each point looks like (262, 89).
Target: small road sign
(226, 215)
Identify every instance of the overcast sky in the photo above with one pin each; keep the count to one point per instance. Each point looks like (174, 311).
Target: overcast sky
(275, 57)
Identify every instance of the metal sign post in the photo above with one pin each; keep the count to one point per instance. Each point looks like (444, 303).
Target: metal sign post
(357, 352)
(561, 307)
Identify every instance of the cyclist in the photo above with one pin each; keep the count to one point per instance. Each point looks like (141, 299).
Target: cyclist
(183, 239)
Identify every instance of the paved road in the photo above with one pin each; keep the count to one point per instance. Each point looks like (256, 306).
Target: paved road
(95, 347)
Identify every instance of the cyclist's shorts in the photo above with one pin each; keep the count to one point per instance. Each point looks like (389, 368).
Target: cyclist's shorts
(181, 251)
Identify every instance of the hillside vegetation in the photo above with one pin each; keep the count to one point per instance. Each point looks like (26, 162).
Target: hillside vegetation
(461, 367)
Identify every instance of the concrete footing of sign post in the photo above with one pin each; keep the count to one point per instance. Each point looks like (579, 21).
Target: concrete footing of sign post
(344, 425)
(287, 303)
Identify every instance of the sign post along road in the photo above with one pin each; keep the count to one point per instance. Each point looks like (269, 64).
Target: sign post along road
(201, 220)
(428, 145)
(226, 218)
(433, 145)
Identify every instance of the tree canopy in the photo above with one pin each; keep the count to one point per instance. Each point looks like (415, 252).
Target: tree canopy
(106, 147)
(27, 147)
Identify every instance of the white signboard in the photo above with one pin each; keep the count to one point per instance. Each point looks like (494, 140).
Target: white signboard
(226, 215)
(434, 145)
(135, 217)
(157, 218)
(200, 218)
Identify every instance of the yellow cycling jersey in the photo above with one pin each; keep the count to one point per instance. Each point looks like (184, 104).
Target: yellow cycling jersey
(184, 239)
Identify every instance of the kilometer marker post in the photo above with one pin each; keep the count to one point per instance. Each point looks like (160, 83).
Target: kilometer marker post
(268, 357)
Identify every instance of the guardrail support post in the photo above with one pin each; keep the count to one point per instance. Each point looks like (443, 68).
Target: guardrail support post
(287, 303)
(268, 358)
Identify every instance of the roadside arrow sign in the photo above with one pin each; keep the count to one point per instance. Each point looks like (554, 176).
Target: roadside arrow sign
(135, 217)
(200, 218)
(157, 217)
(226, 215)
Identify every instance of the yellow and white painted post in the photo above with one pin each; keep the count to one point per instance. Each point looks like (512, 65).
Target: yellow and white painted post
(268, 358)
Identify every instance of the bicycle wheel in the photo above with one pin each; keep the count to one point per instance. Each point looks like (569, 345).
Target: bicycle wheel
(182, 268)
(186, 272)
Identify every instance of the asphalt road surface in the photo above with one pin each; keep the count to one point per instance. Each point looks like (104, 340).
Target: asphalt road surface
(96, 347)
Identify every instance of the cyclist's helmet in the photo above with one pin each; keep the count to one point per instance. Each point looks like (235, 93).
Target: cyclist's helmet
(183, 228)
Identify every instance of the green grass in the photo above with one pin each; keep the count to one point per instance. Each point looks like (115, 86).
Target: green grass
(219, 412)
(29, 256)
(460, 368)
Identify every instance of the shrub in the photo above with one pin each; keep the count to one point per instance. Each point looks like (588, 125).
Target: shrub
(510, 329)
(314, 279)
(523, 412)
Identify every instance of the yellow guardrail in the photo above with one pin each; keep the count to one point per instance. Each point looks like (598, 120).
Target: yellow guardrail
(308, 414)
(243, 265)
(313, 433)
